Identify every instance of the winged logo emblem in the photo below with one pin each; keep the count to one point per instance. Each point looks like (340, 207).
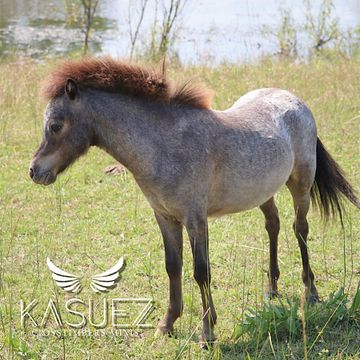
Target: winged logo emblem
(100, 283)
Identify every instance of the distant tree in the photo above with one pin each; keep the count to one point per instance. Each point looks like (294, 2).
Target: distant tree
(89, 8)
(82, 13)
(171, 15)
(135, 29)
(163, 30)
(323, 27)
(285, 35)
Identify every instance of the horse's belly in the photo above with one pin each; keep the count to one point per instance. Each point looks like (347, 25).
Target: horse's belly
(240, 192)
(244, 199)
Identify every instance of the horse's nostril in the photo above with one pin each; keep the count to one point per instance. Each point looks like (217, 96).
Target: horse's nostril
(31, 172)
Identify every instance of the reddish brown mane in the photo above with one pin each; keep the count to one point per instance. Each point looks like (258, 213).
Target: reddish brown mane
(116, 76)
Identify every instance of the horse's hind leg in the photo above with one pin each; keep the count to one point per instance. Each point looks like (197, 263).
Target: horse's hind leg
(272, 225)
(299, 185)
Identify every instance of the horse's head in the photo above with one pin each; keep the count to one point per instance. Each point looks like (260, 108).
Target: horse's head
(67, 135)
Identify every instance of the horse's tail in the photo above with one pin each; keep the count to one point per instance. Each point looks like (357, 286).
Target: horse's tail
(330, 185)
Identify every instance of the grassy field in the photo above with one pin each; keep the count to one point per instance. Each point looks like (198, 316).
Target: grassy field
(87, 220)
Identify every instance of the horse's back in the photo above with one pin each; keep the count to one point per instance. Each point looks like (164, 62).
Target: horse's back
(263, 139)
(280, 110)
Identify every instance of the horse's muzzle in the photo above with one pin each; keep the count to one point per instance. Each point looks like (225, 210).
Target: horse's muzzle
(41, 177)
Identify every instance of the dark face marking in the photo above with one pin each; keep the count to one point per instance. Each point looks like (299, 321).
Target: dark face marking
(66, 137)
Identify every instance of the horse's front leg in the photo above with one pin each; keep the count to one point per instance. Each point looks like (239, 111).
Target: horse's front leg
(198, 233)
(173, 242)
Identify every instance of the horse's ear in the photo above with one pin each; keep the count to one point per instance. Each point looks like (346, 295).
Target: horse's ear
(71, 89)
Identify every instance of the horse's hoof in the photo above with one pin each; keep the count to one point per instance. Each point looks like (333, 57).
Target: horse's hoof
(313, 299)
(271, 294)
(158, 334)
(163, 331)
(206, 344)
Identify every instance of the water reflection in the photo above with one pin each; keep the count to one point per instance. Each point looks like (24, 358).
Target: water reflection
(210, 29)
(42, 28)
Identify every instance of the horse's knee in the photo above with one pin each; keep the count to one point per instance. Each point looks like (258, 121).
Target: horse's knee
(173, 266)
(307, 276)
(274, 273)
(201, 272)
(272, 221)
(272, 225)
(301, 228)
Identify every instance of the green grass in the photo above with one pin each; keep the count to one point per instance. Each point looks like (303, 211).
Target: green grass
(294, 320)
(87, 220)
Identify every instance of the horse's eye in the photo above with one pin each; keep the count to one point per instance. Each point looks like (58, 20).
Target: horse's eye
(55, 127)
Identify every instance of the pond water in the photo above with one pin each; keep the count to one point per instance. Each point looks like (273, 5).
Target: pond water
(209, 30)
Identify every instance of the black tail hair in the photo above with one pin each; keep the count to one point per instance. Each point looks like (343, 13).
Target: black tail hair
(330, 185)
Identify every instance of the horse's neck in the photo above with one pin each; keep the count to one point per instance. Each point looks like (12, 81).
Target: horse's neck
(131, 130)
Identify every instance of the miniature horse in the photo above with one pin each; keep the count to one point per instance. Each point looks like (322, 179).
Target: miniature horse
(190, 161)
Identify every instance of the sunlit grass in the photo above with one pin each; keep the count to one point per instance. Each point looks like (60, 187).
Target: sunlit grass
(87, 220)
